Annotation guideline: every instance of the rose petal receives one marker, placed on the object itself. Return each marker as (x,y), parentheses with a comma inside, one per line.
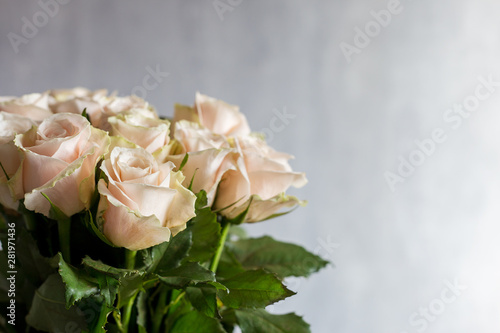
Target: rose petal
(268,184)
(260,210)
(33,106)
(220,117)
(206,169)
(196,138)
(150,200)
(182,208)
(233,187)
(149,133)
(70,190)
(126,228)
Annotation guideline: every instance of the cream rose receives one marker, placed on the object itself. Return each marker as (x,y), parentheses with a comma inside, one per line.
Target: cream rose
(60,158)
(216,115)
(78,99)
(115,105)
(209,156)
(194,137)
(137,126)
(262,177)
(99,106)
(11,189)
(33,106)
(143,202)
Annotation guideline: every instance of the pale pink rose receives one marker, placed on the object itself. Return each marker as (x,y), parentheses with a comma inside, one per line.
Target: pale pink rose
(209,156)
(118,104)
(60,158)
(99,106)
(33,106)
(137,127)
(6,98)
(216,115)
(76,100)
(11,189)
(143,201)
(115,105)
(61,95)
(262,177)
(194,137)
(260,210)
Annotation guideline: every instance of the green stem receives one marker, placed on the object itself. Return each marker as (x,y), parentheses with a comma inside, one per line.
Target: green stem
(64,229)
(178,296)
(103,316)
(130,259)
(215,262)
(171,309)
(129,264)
(127,312)
(158,316)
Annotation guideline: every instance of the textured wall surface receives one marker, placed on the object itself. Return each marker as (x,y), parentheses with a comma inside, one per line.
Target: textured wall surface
(420,87)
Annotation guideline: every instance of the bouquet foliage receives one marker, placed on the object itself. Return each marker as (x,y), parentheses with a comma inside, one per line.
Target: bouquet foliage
(114,219)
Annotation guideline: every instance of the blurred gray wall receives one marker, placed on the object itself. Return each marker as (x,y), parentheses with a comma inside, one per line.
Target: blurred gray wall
(359,102)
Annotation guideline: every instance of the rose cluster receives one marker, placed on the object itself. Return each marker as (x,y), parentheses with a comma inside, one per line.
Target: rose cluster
(73,149)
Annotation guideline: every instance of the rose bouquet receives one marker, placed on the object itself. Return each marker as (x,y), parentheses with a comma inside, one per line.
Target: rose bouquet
(113,219)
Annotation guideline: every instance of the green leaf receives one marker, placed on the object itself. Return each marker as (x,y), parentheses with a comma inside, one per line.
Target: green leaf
(114,281)
(48,311)
(237,232)
(203,297)
(201,200)
(206,235)
(175,312)
(151,257)
(129,285)
(228,321)
(228,264)
(177,250)
(284,259)
(253,289)
(184,161)
(108,288)
(85,115)
(260,321)
(186,273)
(78,283)
(190,187)
(217,285)
(100,267)
(196,322)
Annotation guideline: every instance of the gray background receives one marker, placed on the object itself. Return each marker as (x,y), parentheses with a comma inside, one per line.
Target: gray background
(392,250)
